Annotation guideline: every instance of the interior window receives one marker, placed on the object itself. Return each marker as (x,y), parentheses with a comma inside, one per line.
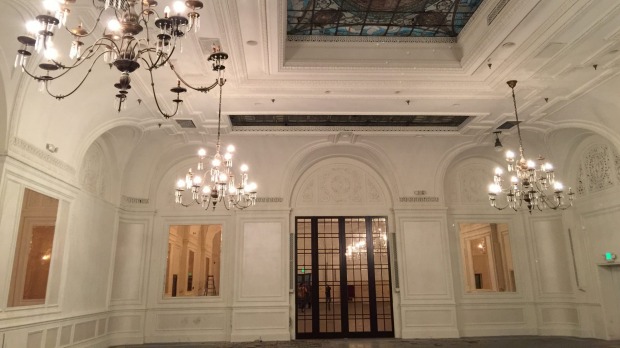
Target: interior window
(193,262)
(487,257)
(33,255)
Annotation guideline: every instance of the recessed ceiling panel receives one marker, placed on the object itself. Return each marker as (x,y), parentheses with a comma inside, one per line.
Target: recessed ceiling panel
(348,120)
(401,18)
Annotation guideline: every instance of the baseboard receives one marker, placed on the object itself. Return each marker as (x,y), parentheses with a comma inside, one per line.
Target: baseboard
(258,335)
(473,331)
(424,332)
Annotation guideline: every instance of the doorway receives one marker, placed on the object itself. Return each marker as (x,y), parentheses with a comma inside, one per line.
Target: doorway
(343,285)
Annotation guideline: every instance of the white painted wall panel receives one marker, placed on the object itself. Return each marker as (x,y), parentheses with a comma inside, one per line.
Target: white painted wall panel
(553,261)
(261,274)
(128,261)
(425,270)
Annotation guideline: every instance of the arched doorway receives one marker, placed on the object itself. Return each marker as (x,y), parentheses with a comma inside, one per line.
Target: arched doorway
(342,263)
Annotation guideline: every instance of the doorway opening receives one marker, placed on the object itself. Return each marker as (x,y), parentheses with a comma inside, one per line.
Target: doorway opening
(342,285)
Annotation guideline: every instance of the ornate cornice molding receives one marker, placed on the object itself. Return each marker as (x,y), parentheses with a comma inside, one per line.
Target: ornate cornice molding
(24,148)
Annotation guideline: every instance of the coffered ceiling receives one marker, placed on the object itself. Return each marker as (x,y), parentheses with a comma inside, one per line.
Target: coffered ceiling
(558,50)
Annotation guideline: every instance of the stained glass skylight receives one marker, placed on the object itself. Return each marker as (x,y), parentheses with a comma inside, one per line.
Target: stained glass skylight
(399,18)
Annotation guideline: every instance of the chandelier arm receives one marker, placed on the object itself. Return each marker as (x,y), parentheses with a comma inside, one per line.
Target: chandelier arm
(94,26)
(155,65)
(62,96)
(166,116)
(199,89)
(52,78)
(81,60)
(149,49)
(226,204)
(96,5)
(166,57)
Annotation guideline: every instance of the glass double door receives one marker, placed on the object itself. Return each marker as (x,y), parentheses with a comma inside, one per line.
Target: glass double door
(343,285)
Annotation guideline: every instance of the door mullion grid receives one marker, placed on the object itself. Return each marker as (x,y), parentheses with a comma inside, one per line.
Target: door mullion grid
(372,289)
(344,296)
(315,275)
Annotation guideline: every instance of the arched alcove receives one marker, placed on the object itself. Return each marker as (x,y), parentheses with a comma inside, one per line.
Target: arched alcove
(466,182)
(341,185)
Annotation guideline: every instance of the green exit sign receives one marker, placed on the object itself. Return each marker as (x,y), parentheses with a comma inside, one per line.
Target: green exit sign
(610,257)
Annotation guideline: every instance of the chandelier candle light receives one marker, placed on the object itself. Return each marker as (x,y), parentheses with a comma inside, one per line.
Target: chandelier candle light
(532,187)
(217,184)
(136,34)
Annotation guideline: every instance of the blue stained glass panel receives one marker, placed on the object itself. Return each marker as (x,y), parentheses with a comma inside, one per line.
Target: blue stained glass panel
(417,18)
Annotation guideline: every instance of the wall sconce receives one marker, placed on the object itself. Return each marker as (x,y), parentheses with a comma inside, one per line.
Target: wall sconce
(51,148)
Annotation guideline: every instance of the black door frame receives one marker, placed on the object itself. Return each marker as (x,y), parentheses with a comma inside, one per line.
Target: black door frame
(343,280)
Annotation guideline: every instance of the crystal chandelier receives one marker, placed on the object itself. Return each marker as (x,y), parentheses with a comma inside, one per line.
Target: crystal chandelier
(209,187)
(531,186)
(135,36)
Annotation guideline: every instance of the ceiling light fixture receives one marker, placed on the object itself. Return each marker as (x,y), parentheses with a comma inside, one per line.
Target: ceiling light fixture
(530,187)
(135,36)
(498,144)
(217,184)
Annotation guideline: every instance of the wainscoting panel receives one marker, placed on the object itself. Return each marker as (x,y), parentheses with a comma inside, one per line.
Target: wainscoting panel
(124,323)
(429,322)
(35,339)
(74,332)
(559,320)
(187,325)
(260,324)
(496,320)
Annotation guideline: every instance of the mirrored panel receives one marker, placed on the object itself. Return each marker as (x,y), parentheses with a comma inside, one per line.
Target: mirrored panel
(193,261)
(488,265)
(33,255)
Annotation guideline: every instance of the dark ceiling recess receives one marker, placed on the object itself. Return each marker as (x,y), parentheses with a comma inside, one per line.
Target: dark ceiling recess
(508,124)
(186,123)
(348,120)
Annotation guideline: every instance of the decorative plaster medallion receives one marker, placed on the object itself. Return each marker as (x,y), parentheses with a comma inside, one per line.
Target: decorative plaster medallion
(473,182)
(598,168)
(340,183)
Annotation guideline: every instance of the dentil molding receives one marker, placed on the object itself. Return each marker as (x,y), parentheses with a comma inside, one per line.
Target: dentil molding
(26,149)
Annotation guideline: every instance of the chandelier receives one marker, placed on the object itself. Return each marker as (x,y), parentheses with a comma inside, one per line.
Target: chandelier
(209,187)
(531,186)
(136,36)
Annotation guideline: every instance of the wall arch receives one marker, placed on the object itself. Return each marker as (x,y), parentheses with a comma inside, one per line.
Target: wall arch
(341,186)
(363,154)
